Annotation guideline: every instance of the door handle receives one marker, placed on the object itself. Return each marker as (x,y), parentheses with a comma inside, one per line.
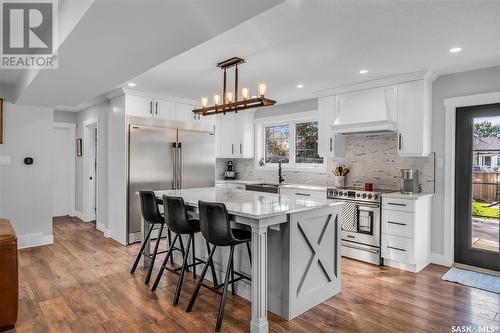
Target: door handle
(156,106)
(174,150)
(232,148)
(396,204)
(303,194)
(400,141)
(151,107)
(360,248)
(180,166)
(241,148)
(331,144)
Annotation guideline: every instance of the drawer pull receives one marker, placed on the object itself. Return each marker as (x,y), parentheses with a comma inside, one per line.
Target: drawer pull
(396,248)
(397,223)
(396,204)
(303,194)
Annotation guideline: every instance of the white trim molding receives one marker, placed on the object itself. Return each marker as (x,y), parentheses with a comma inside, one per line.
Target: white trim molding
(32,240)
(87,209)
(451,105)
(72,162)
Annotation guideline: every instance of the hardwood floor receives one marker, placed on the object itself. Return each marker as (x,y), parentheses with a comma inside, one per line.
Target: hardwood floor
(81,284)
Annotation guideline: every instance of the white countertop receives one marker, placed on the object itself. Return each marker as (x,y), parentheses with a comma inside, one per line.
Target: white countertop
(284,185)
(399,195)
(255,205)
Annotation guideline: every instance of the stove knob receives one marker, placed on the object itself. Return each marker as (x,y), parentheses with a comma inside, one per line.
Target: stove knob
(345,194)
(364,195)
(358,195)
(375,197)
(369,196)
(338,193)
(334,193)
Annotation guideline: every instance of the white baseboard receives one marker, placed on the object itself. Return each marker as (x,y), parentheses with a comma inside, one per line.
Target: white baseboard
(32,240)
(80,215)
(440,259)
(102,227)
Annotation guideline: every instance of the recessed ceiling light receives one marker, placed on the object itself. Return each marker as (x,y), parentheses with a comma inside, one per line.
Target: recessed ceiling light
(300,86)
(131,84)
(455,49)
(363,71)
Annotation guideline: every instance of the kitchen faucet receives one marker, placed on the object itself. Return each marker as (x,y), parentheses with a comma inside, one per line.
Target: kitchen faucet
(281,179)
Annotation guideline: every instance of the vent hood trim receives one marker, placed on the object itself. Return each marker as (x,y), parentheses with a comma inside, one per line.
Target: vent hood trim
(367,127)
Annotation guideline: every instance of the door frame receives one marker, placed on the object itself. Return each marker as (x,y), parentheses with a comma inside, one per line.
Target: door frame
(87,135)
(72,165)
(451,105)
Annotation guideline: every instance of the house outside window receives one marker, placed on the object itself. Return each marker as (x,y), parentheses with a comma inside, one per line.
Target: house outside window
(289,139)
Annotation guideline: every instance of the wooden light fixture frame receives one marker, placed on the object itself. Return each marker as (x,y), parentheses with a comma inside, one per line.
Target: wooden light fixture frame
(235,106)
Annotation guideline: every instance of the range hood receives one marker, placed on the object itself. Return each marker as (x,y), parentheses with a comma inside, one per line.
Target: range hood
(367,111)
(366,127)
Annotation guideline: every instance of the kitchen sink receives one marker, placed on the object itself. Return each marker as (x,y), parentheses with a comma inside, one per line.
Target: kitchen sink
(264,187)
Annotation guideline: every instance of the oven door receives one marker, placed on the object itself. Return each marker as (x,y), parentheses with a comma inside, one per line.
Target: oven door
(361,223)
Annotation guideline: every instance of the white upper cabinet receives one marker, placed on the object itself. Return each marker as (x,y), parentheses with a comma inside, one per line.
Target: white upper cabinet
(329,143)
(163,109)
(184,112)
(414,116)
(234,134)
(139,106)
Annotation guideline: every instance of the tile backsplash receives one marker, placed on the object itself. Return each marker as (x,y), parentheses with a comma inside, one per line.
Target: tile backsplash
(370,157)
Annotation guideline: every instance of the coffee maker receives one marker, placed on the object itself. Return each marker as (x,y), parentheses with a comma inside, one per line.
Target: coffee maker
(409,181)
(230,173)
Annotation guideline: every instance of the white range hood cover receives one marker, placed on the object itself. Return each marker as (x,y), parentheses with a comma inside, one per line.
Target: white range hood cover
(367,111)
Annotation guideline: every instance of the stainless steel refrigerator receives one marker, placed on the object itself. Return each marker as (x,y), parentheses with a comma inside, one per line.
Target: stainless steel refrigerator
(163,158)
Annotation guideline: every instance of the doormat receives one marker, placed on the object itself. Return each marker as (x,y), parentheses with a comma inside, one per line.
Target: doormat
(473,279)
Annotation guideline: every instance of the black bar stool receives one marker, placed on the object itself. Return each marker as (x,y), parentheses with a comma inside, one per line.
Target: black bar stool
(179,222)
(216,228)
(151,214)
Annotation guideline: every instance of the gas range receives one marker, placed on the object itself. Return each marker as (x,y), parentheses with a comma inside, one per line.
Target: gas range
(356,194)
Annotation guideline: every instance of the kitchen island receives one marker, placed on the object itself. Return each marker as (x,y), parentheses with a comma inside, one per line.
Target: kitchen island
(295,248)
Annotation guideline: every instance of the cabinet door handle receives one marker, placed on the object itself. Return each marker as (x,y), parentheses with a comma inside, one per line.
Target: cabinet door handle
(396,204)
(400,141)
(396,248)
(232,148)
(331,144)
(156,105)
(151,107)
(241,148)
(397,223)
(303,194)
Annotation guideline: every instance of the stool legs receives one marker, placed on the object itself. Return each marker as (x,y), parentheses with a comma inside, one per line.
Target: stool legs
(229,271)
(143,246)
(194,257)
(232,274)
(200,281)
(183,270)
(164,264)
(212,267)
(153,258)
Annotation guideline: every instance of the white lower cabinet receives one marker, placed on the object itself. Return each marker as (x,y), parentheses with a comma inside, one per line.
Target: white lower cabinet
(303,193)
(406,232)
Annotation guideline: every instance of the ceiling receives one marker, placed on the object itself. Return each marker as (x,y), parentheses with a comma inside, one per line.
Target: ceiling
(113,41)
(171,47)
(324,44)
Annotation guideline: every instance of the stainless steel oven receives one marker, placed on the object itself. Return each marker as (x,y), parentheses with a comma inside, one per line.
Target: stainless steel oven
(361,223)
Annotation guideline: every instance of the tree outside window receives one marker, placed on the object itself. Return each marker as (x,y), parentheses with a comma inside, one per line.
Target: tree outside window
(306,143)
(277,144)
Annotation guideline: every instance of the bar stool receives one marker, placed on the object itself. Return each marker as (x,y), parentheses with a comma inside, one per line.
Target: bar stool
(216,228)
(151,214)
(179,222)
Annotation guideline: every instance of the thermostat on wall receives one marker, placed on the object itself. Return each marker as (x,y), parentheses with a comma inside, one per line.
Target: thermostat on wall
(28,160)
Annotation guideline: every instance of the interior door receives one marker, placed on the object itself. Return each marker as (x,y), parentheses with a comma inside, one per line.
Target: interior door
(477,186)
(151,166)
(197,159)
(61,171)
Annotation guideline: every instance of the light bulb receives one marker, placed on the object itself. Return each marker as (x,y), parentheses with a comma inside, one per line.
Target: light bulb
(204,102)
(262,89)
(229,96)
(216,99)
(245,93)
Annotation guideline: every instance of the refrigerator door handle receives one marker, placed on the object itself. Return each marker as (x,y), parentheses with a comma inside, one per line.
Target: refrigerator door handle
(180,165)
(174,151)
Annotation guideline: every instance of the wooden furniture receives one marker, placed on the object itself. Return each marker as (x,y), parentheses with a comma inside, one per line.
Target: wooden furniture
(304,269)
(406,224)
(400,104)
(9,280)
(234,135)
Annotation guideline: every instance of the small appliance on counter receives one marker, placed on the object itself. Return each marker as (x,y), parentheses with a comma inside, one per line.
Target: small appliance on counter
(409,182)
(230,173)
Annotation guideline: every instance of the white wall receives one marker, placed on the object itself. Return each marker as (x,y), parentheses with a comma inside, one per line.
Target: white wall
(65,117)
(99,112)
(26,191)
(454,85)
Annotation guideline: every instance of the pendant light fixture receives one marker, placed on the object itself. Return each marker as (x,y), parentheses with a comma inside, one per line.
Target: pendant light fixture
(230,99)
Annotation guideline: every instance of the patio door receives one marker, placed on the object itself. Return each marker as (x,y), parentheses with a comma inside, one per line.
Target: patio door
(477,186)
